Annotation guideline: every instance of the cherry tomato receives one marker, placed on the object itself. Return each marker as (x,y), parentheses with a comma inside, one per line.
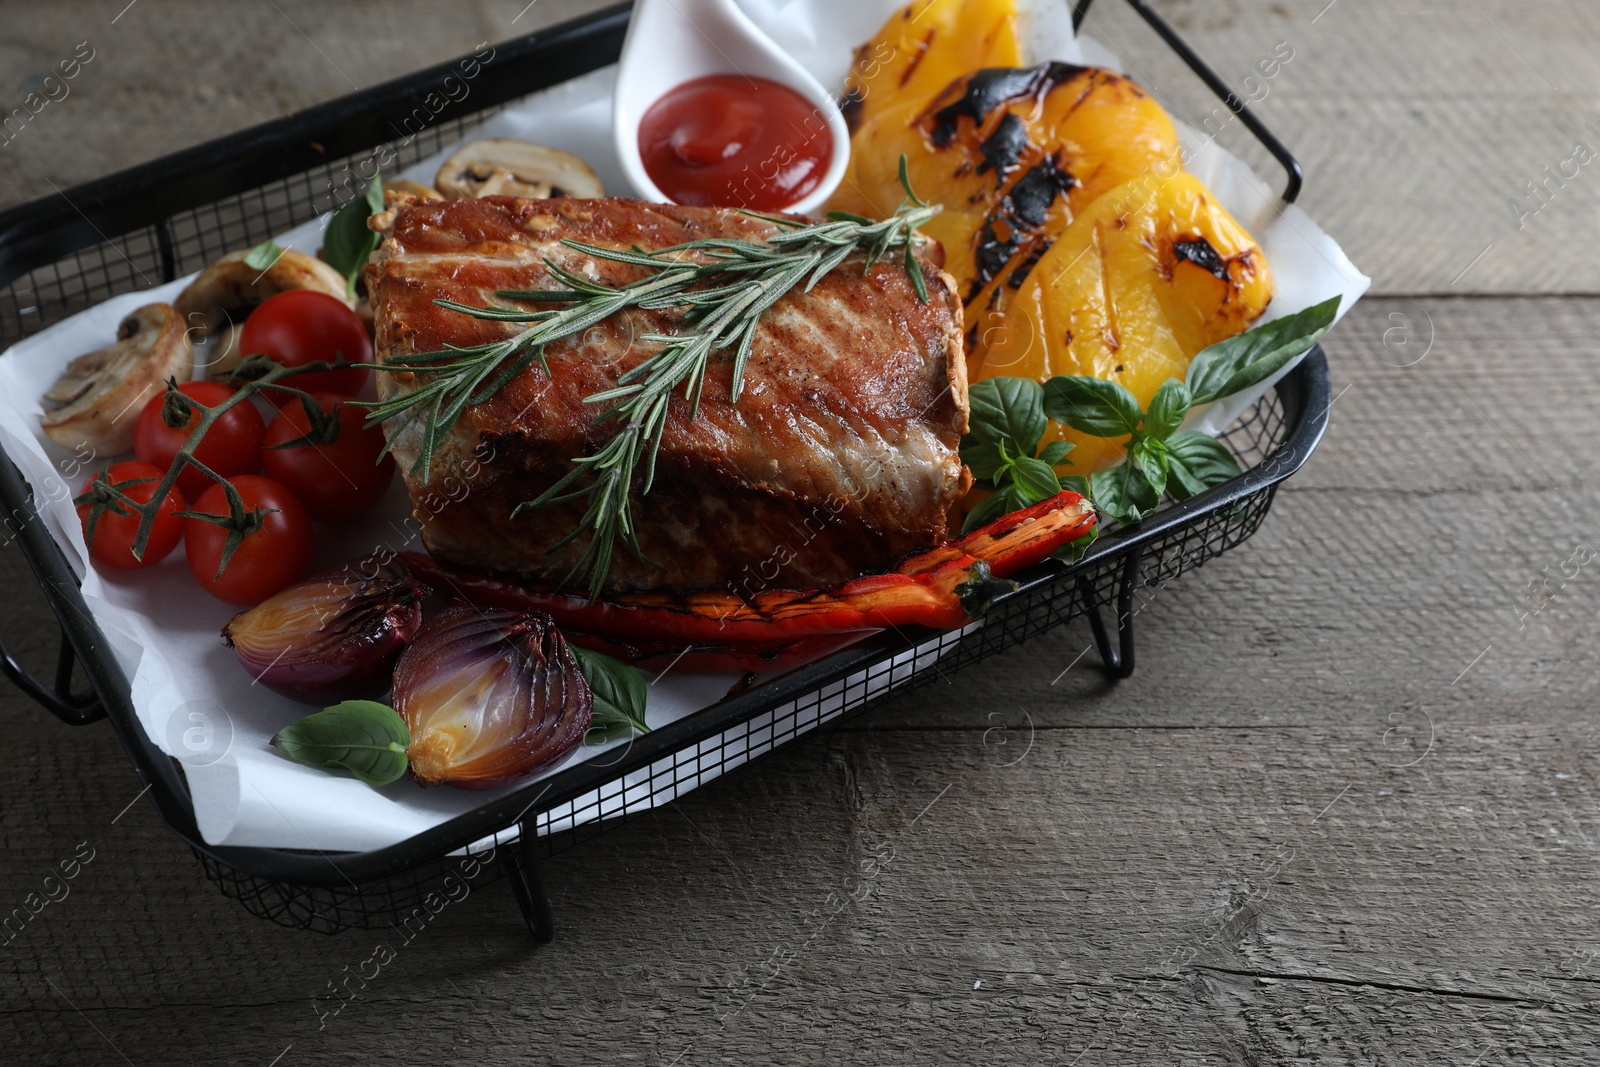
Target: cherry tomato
(118,525)
(335,481)
(232,445)
(303,326)
(269,558)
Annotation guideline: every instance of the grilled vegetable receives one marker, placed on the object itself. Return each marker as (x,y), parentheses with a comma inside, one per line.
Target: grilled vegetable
(416,189)
(1013,155)
(102,392)
(332,636)
(943,588)
(924,47)
(490,698)
(1147,277)
(503,166)
(478,727)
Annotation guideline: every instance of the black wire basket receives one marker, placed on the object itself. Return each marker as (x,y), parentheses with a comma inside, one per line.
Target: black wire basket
(164,219)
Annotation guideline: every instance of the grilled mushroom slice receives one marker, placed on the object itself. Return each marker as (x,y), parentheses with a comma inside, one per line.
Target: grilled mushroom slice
(226,292)
(504,166)
(104,391)
(416,189)
(222,352)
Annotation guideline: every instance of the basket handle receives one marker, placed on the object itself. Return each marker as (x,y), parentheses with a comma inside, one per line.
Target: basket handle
(74,709)
(1225,93)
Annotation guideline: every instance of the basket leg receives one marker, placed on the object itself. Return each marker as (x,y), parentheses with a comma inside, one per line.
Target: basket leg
(71,708)
(1117,658)
(522,868)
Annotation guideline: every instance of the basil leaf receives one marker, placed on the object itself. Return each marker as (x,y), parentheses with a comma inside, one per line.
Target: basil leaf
(607,725)
(1008,411)
(1167,409)
(1073,551)
(1055,452)
(1123,493)
(262,256)
(1034,481)
(1092,405)
(1255,355)
(1076,483)
(364,737)
(619,692)
(347,244)
(1002,501)
(1150,456)
(986,458)
(1196,462)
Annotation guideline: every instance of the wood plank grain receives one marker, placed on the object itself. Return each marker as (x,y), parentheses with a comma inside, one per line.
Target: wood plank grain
(164,78)
(1137,894)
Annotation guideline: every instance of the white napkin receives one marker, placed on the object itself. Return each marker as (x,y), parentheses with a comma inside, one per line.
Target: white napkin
(198,705)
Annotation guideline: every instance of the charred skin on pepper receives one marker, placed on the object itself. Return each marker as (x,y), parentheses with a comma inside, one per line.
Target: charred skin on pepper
(1014,154)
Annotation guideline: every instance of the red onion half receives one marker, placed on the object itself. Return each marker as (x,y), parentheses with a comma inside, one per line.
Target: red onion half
(333,636)
(490,697)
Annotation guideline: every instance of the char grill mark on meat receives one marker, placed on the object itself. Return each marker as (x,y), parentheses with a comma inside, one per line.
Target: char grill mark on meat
(839,458)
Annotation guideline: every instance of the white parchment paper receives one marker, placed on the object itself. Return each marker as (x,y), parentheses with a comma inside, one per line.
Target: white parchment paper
(198,705)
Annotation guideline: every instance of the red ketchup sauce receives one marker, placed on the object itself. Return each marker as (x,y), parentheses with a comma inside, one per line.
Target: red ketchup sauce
(734,141)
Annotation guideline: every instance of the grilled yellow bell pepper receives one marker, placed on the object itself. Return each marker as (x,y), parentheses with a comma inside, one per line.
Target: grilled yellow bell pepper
(1077,243)
(924,47)
(1013,155)
(1146,277)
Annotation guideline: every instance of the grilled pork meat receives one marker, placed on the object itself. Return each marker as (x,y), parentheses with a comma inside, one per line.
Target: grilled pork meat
(839,457)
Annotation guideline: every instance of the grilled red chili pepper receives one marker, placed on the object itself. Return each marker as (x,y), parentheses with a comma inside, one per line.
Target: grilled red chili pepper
(943,588)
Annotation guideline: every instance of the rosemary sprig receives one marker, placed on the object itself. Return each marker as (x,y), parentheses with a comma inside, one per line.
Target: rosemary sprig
(726,284)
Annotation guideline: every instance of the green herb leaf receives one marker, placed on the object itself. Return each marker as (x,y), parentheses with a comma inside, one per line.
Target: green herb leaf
(1073,551)
(1092,405)
(1243,360)
(348,244)
(364,737)
(1196,463)
(905,183)
(1008,411)
(1150,456)
(607,725)
(988,459)
(1167,409)
(262,256)
(619,693)
(1002,501)
(1123,493)
(1076,483)
(1034,481)
(1055,452)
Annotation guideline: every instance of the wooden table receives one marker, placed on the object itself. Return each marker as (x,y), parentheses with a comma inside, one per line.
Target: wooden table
(1345,812)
